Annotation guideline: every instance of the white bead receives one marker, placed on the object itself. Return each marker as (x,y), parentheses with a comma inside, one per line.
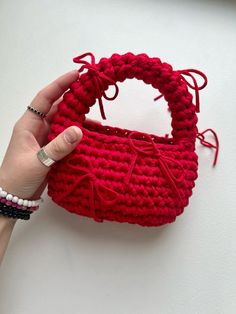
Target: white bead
(3,193)
(15,199)
(20,201)
(9,197)
(25,203)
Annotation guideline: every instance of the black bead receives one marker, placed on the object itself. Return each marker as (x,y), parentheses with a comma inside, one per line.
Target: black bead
(12,212)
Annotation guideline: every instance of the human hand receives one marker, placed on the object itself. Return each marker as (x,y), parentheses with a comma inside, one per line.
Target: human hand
(21,173)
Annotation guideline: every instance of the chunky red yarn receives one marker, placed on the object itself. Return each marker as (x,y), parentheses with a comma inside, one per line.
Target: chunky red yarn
(125,175)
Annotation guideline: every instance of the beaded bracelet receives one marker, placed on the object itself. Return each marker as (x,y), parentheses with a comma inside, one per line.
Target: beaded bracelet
(12,212)
(15,205)
(19,201)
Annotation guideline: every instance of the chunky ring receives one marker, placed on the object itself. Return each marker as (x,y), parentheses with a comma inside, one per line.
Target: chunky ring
(41,114)
(44,158)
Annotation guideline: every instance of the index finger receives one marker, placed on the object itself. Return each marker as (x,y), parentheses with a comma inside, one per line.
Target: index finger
(49,94)
(45,98)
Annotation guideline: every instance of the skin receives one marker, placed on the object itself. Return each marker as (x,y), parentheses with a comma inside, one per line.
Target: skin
(21,173)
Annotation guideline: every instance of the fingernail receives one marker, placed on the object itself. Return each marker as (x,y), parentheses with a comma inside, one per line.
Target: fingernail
(72,135)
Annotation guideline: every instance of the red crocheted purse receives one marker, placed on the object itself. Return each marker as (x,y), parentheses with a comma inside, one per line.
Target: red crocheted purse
(126,175)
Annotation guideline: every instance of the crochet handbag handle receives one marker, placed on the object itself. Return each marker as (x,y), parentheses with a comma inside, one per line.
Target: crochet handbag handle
(172,85)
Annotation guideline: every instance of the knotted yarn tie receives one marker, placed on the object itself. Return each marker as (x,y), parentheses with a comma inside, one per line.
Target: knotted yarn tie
(201,137)
(151,149)
(98,78)
(95,186)
(195,87)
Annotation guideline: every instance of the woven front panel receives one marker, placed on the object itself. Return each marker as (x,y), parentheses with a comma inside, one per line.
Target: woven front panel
(147,199)
(126,175)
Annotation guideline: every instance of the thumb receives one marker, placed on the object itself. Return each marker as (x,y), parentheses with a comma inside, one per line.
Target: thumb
(64,143)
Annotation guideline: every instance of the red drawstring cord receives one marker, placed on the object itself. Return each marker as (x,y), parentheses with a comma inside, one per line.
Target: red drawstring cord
(158,97)
(195,86)
(99,78)
(201,137)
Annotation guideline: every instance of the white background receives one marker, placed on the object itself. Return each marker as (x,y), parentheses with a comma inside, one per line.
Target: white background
(62,263)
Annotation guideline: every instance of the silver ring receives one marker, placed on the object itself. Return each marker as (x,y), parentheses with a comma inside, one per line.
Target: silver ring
(44,158)
(41,114)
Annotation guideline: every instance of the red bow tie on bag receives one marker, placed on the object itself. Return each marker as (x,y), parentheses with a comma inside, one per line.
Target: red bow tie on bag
(125,175)
(195,87)
(150,149)
(99,79)
(103,193)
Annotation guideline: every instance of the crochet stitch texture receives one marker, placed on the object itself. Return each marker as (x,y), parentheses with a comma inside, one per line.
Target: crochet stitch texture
(119,174)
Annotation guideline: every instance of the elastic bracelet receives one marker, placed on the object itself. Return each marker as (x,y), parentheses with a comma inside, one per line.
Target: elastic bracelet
(12,212)
(11,208)
(18,200)
(15,205)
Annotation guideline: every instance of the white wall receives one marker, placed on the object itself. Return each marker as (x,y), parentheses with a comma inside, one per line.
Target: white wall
(61,263)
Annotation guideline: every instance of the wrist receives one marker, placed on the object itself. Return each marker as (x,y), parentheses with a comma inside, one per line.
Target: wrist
(6,228)
(12,187)
(7,222)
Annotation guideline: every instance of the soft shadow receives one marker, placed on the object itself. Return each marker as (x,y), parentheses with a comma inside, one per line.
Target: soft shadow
(77,226)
